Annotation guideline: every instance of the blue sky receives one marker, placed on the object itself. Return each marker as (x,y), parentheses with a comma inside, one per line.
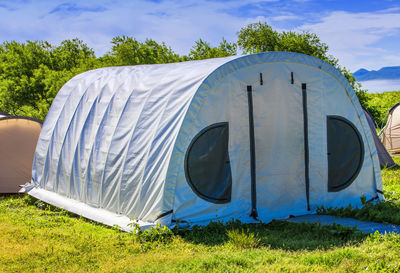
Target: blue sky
(359,33)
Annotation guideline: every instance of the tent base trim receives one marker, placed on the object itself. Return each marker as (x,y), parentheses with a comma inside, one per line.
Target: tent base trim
(90,212)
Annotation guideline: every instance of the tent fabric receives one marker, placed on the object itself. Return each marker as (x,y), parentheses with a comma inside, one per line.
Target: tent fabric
(385,160)
(116,139)
(18,138)
(391,131)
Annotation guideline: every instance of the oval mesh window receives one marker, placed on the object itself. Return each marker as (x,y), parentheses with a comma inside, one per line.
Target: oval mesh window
(207,165)
(345,153)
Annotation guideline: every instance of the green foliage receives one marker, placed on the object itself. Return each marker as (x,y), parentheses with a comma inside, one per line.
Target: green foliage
(203,50)
(260,37)
(32,73)
(128,51)
(378,104)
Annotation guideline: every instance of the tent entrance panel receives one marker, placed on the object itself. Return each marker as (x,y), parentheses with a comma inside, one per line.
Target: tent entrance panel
(279,145)
(345,153)
(207,165)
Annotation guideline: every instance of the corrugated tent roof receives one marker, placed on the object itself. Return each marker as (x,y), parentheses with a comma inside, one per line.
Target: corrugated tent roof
(105,129)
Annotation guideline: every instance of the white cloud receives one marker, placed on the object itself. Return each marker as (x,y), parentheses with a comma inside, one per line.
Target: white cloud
(285,17)
(177,23)
(355,38)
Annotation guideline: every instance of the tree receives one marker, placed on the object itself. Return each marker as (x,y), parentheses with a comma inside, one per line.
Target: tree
(203,50)
(71,54)
(260,37)
(31,73)
(129,51)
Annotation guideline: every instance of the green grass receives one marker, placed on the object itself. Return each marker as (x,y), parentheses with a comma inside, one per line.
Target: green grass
(36,237)
(40,238)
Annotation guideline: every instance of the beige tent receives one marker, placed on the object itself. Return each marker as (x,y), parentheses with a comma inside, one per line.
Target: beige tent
(390,134)
(18,138)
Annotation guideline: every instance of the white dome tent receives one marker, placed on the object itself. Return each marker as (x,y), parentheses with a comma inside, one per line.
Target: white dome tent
(260,136)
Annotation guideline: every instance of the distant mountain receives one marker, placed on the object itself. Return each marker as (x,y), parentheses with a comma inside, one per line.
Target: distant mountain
(385,73)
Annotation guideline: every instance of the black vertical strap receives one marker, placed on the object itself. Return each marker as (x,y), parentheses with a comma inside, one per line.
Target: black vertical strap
(254,213)
(261,80)
(306,155)
(292,78)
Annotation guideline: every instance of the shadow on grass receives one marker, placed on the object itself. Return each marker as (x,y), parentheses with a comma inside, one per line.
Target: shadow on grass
(276,234)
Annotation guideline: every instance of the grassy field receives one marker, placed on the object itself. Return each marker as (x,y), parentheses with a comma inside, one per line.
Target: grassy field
(35,237)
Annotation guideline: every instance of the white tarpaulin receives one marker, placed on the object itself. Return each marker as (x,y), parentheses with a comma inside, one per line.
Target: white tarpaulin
(172,142)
